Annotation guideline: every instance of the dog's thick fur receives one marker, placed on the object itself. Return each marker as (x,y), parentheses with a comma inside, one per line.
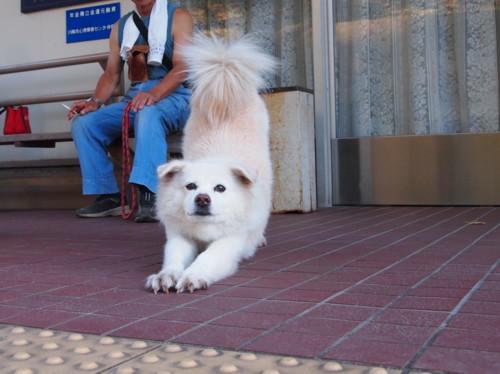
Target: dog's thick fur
(215,203)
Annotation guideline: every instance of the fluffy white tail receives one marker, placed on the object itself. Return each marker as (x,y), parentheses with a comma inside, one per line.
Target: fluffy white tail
(224,75)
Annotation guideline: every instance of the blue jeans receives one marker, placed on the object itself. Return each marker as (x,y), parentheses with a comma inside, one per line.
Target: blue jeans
(94,132)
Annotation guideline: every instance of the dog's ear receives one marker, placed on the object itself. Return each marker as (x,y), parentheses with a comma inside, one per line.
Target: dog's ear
(167,171)
(245,174)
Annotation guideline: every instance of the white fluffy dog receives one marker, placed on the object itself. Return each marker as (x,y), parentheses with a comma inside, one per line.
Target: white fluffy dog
(215,203)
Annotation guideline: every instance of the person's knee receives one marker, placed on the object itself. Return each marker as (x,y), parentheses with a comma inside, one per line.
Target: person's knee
(148,120)
(79,126)
(147,115)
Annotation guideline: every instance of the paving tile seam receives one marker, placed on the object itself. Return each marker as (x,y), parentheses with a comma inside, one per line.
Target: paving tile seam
(358,230)
(31,350)
(450,316)
(362,240)
(469,234)
(206,323)
(132,358)
(362,220)
(275,272)
(201,325)
(382,309)
(208,296)
(338,249)
(313,220)
(339,235)
(250,281)
(267,298)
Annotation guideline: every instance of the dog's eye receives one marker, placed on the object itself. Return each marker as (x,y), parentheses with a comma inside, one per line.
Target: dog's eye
(191,186)
(219,188)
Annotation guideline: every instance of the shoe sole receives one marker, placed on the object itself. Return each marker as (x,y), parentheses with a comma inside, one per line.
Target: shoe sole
(145,219)
(107,213)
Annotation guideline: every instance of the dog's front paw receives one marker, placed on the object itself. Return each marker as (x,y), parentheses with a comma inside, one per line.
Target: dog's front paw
(191,283)
(161,281)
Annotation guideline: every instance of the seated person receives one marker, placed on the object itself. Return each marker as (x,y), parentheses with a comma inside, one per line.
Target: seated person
(160,105)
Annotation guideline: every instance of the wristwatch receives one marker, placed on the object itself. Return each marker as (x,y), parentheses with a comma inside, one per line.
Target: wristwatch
(96,100)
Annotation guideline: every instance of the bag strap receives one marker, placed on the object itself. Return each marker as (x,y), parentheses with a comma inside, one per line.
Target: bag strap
(23,117)
(144,32)
(141,26)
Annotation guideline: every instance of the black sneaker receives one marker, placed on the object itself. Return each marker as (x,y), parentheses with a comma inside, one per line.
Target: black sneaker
(146,210)
(103,206)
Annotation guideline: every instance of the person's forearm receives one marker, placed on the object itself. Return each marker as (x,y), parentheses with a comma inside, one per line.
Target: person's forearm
(169,84)
(105,87)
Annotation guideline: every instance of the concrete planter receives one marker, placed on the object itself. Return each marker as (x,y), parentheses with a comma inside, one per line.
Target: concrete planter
(292,149)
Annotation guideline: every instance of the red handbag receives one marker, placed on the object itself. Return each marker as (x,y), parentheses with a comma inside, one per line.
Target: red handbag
(17,121)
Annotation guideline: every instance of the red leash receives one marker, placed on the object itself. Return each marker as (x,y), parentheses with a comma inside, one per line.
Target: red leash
(127,164)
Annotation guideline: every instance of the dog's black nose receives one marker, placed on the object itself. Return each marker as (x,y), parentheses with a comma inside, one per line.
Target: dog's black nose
(202,200)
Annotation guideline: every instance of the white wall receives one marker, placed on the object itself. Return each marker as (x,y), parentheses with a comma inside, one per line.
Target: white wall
(41,36)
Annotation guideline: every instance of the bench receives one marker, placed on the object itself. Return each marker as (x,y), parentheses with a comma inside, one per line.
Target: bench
(49,140)
(53,183)
(45,140)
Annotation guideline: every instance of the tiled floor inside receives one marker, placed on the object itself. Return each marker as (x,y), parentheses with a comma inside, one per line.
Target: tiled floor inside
(402,288)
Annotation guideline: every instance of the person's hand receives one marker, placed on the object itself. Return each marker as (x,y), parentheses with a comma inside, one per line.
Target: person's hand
(82,107)
(142,99)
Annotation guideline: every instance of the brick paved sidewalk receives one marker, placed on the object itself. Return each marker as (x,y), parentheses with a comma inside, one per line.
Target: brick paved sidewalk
(407,288)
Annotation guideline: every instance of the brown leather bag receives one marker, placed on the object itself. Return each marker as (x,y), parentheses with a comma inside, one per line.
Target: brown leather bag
(137,63)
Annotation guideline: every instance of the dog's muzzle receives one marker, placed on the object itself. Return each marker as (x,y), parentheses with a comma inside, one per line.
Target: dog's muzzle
(202,202)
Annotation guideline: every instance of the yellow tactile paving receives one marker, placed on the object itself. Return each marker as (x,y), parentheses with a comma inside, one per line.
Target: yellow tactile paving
(25,350)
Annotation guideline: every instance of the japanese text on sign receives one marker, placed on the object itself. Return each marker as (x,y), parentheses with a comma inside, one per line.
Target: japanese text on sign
(91,23)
